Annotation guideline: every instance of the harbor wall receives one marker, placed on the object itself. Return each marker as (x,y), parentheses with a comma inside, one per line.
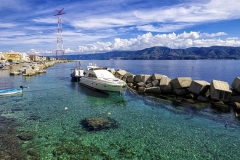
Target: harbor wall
(218,93)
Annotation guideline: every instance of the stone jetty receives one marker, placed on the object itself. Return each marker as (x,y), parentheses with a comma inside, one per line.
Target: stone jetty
(218,93)
(33,68)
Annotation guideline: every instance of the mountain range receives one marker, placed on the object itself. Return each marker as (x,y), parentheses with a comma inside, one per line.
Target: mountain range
(165,53)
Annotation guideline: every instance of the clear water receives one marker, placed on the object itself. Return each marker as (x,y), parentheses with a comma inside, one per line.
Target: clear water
(148,128)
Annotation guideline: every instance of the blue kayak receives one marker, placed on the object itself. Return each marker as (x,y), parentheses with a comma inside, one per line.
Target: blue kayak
(4,92)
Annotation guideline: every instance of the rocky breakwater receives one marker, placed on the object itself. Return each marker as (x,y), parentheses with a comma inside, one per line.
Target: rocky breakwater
(217,93)
(40,67)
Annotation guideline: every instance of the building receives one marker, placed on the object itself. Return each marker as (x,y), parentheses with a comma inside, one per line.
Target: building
(36,58)
(25,57)
(14,56)
(2,58)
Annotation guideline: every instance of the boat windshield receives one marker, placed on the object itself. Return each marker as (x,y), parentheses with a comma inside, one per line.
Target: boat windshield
(104,74)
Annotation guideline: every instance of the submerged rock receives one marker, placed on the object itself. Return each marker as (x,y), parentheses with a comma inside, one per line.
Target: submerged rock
(26,136)
(98,123)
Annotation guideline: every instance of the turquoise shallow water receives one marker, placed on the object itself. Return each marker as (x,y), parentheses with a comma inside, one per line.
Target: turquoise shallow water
(148,128)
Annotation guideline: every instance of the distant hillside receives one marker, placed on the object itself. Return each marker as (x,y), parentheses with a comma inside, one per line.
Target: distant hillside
(165,53)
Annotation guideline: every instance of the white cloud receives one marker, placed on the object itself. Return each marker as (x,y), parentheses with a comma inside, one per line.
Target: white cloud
(163,27)
(172,40)
(214,34)
(7,25)
(46,20)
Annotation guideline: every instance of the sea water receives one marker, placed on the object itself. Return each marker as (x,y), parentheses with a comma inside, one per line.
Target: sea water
(53,108)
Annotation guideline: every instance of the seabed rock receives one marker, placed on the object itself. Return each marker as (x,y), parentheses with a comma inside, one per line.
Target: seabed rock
(98,123)
(26,136)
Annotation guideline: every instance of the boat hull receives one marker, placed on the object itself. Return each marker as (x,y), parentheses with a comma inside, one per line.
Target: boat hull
(4,92)
(102,85)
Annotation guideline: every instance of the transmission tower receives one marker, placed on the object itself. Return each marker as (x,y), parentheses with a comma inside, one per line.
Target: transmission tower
(59,49)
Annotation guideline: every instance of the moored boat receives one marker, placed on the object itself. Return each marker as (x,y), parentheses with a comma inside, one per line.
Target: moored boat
(77,73)
(4,92)
(101,79)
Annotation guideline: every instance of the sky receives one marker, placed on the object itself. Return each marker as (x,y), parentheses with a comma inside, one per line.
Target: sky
(95,26)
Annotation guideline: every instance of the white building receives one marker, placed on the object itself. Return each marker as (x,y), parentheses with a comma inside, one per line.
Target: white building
(24,57)
(2,58)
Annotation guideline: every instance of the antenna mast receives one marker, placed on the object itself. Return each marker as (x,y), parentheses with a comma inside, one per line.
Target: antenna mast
(59,49)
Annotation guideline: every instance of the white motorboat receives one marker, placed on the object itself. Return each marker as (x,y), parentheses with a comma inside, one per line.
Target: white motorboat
(101,79)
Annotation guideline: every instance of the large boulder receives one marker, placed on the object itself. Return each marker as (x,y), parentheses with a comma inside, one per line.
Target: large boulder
(148,85)
(120,73)
(219,90)
(199,87)
(141,89)
(202,98)
(157,76)
(130,78)
(153,90)
(141,78)
(141,84)
(181,91)
(221,106)
(155,82)
(234,98)
(165,85)
(236,84)
(235,106)
(181,82)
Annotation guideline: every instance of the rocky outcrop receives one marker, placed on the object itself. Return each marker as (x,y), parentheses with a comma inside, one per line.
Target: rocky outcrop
(219,90)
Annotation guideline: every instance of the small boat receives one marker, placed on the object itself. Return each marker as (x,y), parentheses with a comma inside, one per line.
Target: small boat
(101,79)
(77,73)
(4,92)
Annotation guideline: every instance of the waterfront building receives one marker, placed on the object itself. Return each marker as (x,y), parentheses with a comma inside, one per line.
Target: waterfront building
(2,58)
(14,56)
(24,57)
(37,58)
